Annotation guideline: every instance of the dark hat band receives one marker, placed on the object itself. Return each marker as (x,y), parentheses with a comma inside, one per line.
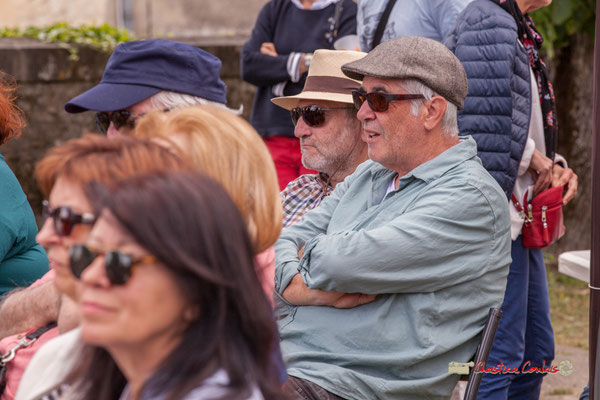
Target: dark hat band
(330,84)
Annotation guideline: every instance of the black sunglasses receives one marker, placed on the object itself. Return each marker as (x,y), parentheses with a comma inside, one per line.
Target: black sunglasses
(118,265)
(379,102)
(312,115)
(65,218)
(120,118)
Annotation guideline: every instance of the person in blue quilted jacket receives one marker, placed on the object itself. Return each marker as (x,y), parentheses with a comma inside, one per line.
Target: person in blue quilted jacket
(510,112)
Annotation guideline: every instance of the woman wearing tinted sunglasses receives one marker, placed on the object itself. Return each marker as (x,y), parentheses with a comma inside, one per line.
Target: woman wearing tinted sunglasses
(62,174)
(69,218)
(171,306)
(226,148)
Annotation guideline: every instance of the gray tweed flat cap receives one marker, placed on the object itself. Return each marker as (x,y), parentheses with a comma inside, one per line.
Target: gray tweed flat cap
(413,57)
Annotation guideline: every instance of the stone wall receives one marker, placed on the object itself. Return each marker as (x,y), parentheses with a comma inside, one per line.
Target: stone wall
(47,78)
(146,18)
(25,13)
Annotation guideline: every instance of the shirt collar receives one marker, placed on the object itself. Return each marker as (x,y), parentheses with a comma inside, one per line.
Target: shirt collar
(438,166)
(317,5)
(323,180)
(319,180)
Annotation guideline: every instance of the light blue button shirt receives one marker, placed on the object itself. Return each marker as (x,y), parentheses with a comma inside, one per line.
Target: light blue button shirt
(432,19)
(436,251)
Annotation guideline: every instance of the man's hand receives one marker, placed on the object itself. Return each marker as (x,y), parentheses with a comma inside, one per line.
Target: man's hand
(29,308)
(540,169)
(302,67)
(268,48)
(297,293)
(565,176)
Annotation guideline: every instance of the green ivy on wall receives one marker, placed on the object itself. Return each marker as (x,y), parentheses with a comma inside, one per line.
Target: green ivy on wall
(562,19)
(104,37)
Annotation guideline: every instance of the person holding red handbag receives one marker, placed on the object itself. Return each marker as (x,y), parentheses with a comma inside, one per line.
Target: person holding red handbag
(510,111)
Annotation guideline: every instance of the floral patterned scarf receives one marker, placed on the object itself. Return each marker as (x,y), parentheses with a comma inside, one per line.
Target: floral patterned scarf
(531,39)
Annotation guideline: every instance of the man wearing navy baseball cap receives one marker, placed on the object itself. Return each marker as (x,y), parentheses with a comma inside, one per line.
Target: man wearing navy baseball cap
(146,75)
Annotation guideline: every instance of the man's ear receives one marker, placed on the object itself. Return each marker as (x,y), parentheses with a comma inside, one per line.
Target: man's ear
(434,112)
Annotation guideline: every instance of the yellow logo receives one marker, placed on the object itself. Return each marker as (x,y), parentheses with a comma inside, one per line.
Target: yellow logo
(565,368)
(455,367)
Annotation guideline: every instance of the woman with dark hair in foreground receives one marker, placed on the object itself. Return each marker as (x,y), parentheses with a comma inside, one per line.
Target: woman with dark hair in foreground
(171,305)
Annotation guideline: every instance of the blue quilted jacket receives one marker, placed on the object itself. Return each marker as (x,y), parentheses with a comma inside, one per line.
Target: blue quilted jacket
(498,106)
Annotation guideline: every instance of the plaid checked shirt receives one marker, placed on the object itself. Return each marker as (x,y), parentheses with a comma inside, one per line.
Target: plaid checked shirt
(303,194)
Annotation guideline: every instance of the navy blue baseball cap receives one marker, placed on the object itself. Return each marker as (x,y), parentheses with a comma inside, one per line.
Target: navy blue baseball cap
(139,69)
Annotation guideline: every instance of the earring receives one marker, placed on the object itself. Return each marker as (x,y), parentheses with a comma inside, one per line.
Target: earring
(190,314)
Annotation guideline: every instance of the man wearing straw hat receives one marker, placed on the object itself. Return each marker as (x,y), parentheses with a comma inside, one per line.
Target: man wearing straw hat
(422,230)
(330,134)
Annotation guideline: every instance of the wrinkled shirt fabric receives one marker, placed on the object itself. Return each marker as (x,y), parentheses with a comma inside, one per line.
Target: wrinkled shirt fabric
(436,251)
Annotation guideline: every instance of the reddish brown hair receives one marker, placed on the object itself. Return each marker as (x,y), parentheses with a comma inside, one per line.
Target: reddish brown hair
(97,158)
(11,116)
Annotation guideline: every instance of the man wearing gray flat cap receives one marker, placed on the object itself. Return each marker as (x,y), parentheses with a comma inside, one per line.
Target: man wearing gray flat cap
(421,231)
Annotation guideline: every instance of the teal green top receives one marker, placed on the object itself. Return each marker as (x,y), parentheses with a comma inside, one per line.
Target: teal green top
(22,260)
(436,251)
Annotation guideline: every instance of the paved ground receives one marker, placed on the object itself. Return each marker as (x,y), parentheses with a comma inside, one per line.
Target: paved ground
(559,387)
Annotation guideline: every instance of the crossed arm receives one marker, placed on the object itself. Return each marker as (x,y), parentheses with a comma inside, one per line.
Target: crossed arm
(29,308)
(261,64)
(429,247)
(296,292)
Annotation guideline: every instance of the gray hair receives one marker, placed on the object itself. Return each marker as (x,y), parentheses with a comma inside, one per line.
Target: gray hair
(449,120)
(168,100)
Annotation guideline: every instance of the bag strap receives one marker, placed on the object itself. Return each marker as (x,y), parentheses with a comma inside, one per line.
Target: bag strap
(40,331)
(26,341)
(382,23)
(339,6)
(518,205)
(527,215)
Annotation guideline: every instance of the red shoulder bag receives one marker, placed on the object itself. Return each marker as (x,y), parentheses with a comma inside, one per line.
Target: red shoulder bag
(543,218)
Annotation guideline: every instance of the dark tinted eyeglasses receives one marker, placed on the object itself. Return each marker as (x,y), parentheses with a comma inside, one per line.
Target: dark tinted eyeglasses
(379,102)
(312,115)
(118,266)
(120,118)
(65,218)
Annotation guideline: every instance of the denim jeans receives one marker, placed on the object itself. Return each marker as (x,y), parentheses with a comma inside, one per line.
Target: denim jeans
(524,338)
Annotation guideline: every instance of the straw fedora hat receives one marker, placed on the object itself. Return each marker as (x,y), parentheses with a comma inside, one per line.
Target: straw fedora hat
(325,80)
